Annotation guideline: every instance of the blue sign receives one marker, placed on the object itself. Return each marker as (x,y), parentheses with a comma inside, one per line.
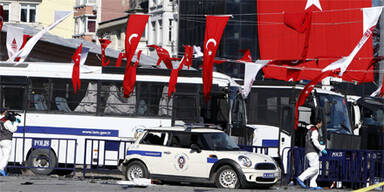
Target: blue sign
(335,155)
(41,143)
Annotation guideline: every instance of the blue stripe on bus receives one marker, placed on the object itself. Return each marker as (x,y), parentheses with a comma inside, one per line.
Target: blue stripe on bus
(144,153)
(68,131)
(270,143)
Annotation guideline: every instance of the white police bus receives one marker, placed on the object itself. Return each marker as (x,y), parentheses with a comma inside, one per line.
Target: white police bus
(61,129)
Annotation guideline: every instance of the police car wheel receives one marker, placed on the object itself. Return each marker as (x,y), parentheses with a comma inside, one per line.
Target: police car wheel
(135,169)
(226,177)
(42,161)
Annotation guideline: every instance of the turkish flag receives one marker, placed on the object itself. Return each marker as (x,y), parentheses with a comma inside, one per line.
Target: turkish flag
(1,17)
(76,69)
(246,57)
(213,31)
(300,22)
(337,26)
(188,53)
(121,56)
(187,61)
(135,28)
(130,78)
(104,44)
(163,56)
(308,89)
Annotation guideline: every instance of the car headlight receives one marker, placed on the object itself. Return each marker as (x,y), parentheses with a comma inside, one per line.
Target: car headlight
(245,161)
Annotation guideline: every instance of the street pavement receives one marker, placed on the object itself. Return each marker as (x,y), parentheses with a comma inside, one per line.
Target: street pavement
(54,183)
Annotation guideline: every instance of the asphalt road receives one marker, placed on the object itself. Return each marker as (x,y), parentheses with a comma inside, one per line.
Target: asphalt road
(54,183)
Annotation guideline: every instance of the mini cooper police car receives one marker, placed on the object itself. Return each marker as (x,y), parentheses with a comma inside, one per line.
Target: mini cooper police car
(200,155)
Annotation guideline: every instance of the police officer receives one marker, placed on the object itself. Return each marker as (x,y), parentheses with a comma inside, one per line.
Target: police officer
(7,127)
(312,149)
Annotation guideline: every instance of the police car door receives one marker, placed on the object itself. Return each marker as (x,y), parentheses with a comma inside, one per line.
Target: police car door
(152,151)
(183,161)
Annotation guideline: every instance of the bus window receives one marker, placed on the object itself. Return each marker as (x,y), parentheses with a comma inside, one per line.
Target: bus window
(165,104)
(12,92)
(39,94)
(65,100)
(264,105)
(88,103)
(115,102)
(12,97)
(148,98)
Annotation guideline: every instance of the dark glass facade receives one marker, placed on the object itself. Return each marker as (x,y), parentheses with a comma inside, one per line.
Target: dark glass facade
(240,32)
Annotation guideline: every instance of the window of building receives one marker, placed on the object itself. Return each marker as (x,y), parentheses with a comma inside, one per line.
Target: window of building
(154,35)
(6,12)
(160,31)
(170,30)
(77,27)
(92,26)
(28,13)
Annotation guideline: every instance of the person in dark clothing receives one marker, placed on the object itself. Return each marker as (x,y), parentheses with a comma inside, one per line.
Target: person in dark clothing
(312,150)
(7,128)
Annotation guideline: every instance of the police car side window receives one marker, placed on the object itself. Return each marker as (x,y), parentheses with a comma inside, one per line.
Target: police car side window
(181,140)
(154,138)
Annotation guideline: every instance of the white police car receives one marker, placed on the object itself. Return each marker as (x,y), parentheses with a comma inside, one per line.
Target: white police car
(198,155)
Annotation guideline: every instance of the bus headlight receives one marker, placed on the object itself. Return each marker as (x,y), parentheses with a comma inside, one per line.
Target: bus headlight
(245,161)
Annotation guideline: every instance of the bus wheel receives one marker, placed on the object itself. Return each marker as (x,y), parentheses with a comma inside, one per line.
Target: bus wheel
(135,169)
(42,161)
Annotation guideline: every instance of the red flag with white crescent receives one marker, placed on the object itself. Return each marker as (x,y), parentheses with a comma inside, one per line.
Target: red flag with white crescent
(331,21)
(135,28)
(188,53)
(76,69)
(130,79)
(163,56)
(186,61)
(104,44)
(213,31)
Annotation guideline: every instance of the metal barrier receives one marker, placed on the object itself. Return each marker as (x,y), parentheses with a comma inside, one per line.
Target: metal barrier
(354,168)
(102,154)
(43,155)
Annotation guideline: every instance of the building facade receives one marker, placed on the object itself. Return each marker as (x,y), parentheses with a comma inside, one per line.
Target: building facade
(239,32)
(39,14)
(162,25)
(87,15)
(114,29)
(46,16)
(112,9)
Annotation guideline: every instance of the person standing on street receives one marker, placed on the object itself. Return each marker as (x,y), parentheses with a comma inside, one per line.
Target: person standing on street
(312,150)
(8,125)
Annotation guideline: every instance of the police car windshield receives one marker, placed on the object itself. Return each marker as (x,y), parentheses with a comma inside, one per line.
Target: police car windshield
(220,142)
(336,112)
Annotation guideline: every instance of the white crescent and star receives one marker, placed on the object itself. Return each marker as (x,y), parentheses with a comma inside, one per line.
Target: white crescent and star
(132,36)
(211,40)
(313,2)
